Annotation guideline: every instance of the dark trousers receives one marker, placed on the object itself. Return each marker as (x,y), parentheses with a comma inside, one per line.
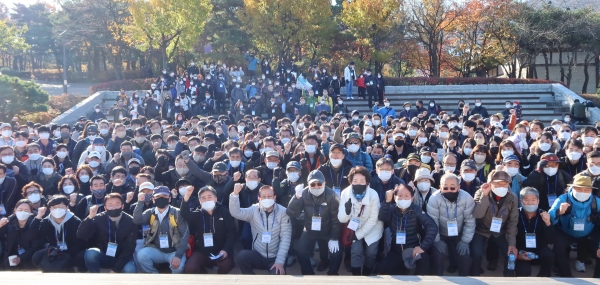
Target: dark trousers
(380,95)
(393,264)
(478,246)
(545,260)
(306,246)
(76,261)
(198,262)
(245,235)
(562,248)
(248,260)
(220,98)
(463,261)
(362,91)
(372,95)
(297,228)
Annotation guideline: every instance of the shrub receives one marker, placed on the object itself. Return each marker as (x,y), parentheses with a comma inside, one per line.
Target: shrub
(64,102)
(404,81)
(15,73)
(135,84)
(56,75)
(20,97)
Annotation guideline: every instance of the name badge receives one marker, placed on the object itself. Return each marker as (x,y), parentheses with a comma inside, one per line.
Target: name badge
(530,241)
(62,246)
(164,241)
(208,240)
(221,85)
(496,225)
(288,80)
(273,111)
(311,105)
(401,237)
(266,237)
(145,229)
(2,209)
(267,72)
(578,224)
(551,199)
(316,224)
(452,228)
(317,92)
(353,224)
(156,107)
(253,113)
(111,249)
(337,191)
(21,251)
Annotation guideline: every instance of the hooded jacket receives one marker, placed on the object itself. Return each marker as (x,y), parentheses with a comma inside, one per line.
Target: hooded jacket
(325,206)
(220,224)
(370,227)
(461,210)
(577,210)
(420,229)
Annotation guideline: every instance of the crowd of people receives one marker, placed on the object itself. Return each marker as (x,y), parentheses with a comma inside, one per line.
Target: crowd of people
(176,183)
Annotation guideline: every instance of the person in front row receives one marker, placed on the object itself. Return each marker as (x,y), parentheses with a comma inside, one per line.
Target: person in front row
(167,238)
(496,213)
(320,205)
(271,230)
(452,210)
(407,223)
(213,229)
(535,233)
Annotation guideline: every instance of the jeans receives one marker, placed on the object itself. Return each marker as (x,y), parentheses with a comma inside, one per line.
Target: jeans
(248,260)
(462,261)
(359,251)
(246,235)
(306,246)
(546,262)
(95,259)
(478,246)
(198,262)
(148,256)
(349,89)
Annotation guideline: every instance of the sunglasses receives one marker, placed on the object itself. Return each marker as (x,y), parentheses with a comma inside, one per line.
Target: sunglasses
(354,142)
(316,184)
(449,188)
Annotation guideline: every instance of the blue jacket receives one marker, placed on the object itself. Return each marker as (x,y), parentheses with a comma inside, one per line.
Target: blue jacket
(251,90)
(360,159)
(252,61)
(516,185)
(384,112)
(579,210)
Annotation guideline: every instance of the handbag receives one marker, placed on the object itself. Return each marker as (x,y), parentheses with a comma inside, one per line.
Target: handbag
(347,233)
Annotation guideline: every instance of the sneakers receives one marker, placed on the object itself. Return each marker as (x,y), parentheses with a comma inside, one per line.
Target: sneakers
(323,265)
(579,266)
(290,260)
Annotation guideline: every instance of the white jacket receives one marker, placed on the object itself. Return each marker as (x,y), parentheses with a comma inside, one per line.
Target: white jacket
(348,74)
(104,156)
(370,227)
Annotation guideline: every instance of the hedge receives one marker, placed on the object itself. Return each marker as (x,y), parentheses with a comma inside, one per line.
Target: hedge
(135,84)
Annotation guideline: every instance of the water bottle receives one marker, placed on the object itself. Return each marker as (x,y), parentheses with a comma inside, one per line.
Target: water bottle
(529,255)
(511,261)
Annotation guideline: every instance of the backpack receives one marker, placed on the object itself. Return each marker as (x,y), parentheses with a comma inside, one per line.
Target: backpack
(172,221)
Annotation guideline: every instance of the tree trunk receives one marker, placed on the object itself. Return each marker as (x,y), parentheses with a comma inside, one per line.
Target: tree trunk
(562,68)
(546,65)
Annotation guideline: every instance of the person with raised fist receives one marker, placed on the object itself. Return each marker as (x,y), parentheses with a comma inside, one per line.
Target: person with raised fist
(16,232)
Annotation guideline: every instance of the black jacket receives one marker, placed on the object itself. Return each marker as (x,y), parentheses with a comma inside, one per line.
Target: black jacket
(247,197)
(9,194)
(221,224)
(325,206)
(420,228)
(46,230)
(543,234)
(97,229)
(545,185)
(336,178)
(20,238)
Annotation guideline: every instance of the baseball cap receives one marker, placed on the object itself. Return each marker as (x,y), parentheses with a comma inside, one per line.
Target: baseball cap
(5,125)
(147,185)
(511,157)
(550,157)
(219,167)
(294,164)
(161,190)
(499,175)
(134,160)
(413,156)
(98,140)
(272,153)
(94,154)
(316,176)
(337,145)
(468,164)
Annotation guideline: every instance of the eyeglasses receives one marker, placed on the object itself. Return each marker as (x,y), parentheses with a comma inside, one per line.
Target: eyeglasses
(33,192)
(316,184)
(449,188)
(354,142)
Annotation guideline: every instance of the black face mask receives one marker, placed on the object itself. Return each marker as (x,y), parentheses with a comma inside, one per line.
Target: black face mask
(306,125)
(494,150)
(412,169)
(114,213)
(359,189)
(429,129)
(399,143)
(461,105)
(451,196)
(161,202)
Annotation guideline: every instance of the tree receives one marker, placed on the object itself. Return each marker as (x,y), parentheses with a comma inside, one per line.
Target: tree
(378,24)
(38,36)
(19,97)
(167,25)
(283,28)
(12,43)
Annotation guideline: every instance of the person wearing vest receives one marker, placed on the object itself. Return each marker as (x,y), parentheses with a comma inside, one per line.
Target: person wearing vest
(535,232)
(452,210)
(114,232)
(548,179)
(497,214)
(98,189)
(213,231)
(272,237)
(575,217)
(168,234)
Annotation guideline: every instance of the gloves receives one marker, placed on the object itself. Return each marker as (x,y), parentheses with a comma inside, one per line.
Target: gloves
(162,161)
(299,189)
(462,248)
(348,206)
(441,246)
(334,246)
(185,155)
(277,172)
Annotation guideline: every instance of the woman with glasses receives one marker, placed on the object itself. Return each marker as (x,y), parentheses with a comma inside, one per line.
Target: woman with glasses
(452,210)
(33,192)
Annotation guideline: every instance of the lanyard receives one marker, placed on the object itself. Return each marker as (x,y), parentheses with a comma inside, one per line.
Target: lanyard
(263,222)
(403,224)
(493,214)
(204,222)
(333,180)
(525,227)
(109,231)
(63,235)
(455,211)
(555,182)
(319,212)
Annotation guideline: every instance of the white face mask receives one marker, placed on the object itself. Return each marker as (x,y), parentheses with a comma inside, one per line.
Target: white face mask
(423,186)
(336,162)
(595,170)
(386,104)
(544,146)
(425,159)
(8,133)
(479,158)
(507,152)
(550,171)
(310,148)
(317,191)
(468,176)
(412,133)
(478,104)
(235,163)
(500,191)
(512,171)
(465,132)
(353,148)
(272,165)
(94,164)
(580,196)
(251,184)
(422,140)
(182,191)
(47,170)
(293,176)
(68,189)
(208,205)
(467,151)
(84,178)
(248,153)
(62,154)
(384,175)
(403,204)
(368,137)
(34,156)
(449,169)
(267,203)
(444,135)
(574,155)
(58,213)
(22,215)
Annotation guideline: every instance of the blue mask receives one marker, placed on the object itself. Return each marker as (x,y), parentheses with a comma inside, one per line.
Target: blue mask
(99,193)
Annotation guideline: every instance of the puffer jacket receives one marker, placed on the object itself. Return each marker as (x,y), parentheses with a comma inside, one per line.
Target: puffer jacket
(327,204)
(439,208)
(279,227)
(420,229)
(507,209)
(580,210)
(370,227)
(547,184)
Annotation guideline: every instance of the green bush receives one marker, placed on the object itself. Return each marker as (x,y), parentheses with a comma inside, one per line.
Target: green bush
(20,97)
(16,73)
